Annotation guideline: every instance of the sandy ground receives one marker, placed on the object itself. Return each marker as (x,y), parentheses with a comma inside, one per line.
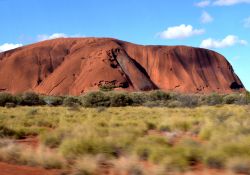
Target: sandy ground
(9,169)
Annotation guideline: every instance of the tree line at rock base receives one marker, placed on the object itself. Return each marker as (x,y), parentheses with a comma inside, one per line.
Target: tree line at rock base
(118,99)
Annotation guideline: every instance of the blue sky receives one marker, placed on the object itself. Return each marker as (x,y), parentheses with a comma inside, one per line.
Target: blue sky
(220,25)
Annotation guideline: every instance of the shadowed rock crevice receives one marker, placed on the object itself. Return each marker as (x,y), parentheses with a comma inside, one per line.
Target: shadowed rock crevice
(236,86)
(134,72)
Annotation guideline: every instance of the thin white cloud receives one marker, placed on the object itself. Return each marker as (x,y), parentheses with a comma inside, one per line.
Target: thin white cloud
(43,37)
(9,46)
(228,41)
(206,17)
(247,22)
(179,32)
(203,3)
(229,2)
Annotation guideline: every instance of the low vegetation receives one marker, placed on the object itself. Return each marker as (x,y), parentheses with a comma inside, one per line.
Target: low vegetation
(84,140)
(109,98)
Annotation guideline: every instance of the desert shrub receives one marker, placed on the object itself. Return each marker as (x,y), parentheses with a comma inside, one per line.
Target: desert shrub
(188,100)
(72,148)
(152,104)
(5,142)
(27,156)
(152,148)
(239,165)
(10,153)
(164,128)
(120,99)
(182,125)
(86,165)
(174,104)
(95,99)
(7,132)
(231,98)
(101,109)
(158,95)
(52,140)
(215,160)
(31,99)
(6,98)
(135,170)
(175,164)
(10,105)
(106,87)
(235,149)
(71,101)
(45,158)
(53,100)
(205,133)
(128,165)
(138,98)
(190,150)
(150,125)
(214,99)
(32,111)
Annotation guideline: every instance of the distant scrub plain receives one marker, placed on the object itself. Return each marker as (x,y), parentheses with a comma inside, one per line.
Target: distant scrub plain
(81,140)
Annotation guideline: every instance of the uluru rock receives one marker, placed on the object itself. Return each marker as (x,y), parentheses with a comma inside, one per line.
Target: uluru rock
(72,66)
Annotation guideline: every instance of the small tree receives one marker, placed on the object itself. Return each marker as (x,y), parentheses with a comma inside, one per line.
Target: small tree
(5,98)
(120,99)
(31,99)
(71,101)
(95,99)
(214,99)
(106,87)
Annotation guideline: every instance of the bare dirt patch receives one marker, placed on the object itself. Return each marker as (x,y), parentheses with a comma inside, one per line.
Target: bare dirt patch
(10,169)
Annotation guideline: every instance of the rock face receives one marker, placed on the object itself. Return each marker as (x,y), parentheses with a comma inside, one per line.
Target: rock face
(76,65)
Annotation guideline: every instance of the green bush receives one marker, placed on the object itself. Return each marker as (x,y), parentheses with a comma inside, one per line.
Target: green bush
(6,98)
(215,160)
(190,150)
(7,132)
(86,165)
(71,148)
(158,95)
(115,99)
(174,104)
(138,98)
(214,99)
(71,101)
(51,140)
(95,99)
(175,164)
(31,99)
(231,98)
(236,149)
(10,105)
(106,87)
(188,100)
(152,148)
(120,99)
(205,133)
